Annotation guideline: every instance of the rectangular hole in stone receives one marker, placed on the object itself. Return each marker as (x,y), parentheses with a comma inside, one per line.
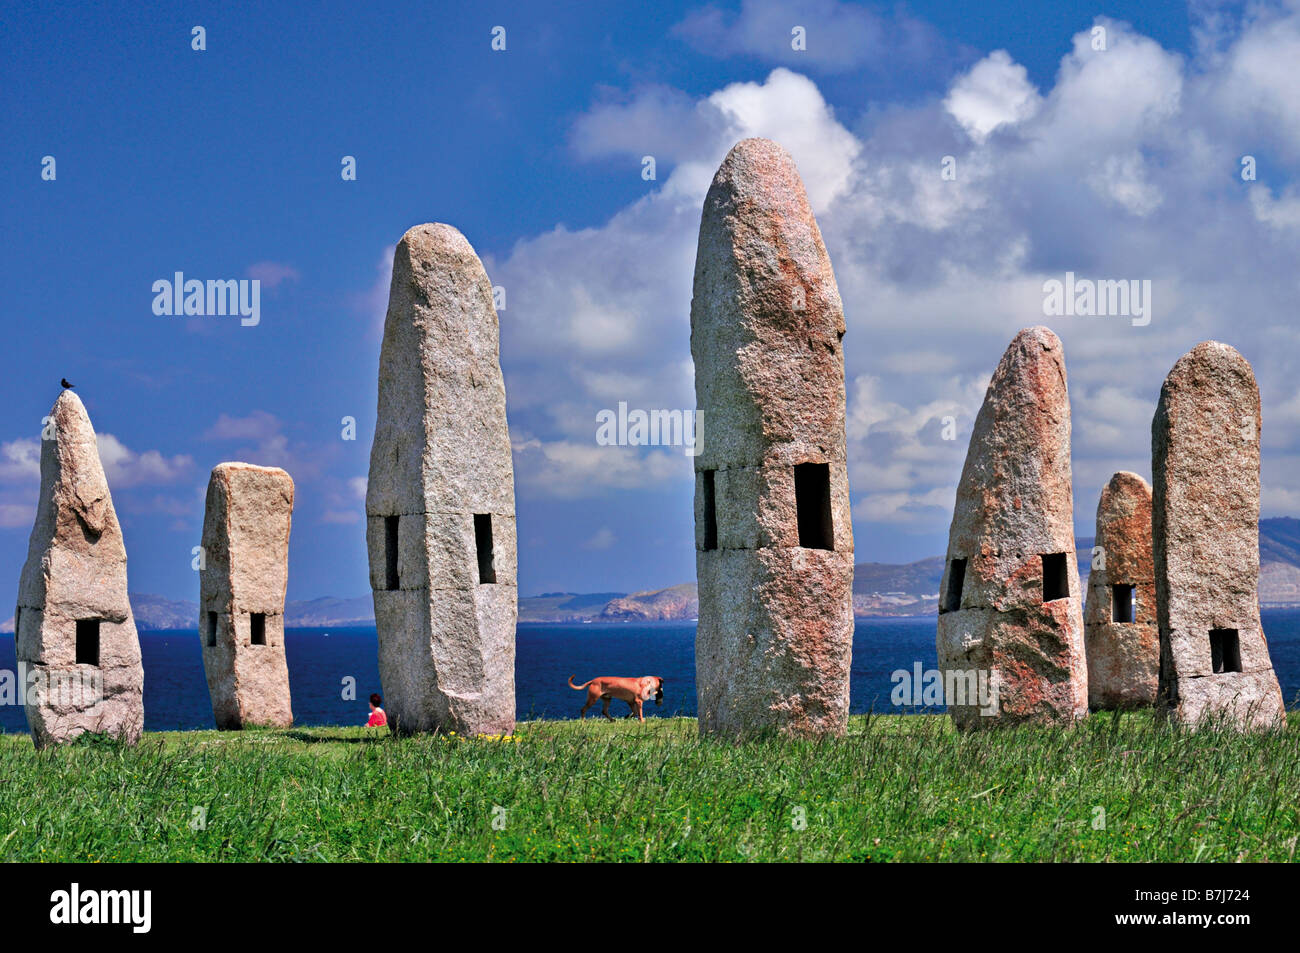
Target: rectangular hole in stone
(1225,651)
(487,571)
(212,629)
(256,628)
(1123,599)
(390,553)
(956,580)
(1056,579)
(87,641)
(812,499)
(710,510)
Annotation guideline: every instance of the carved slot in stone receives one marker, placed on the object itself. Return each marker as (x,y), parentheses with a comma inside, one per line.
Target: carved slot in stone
(1225,651)
(1122,600)
(812,497)
(256,628)
(88,641)
(391,581)
(956,580)
(1056,577)
(487,572)
(212,629)
(710,510)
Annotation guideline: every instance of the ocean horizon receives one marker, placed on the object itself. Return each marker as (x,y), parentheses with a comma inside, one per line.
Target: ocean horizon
(326,666)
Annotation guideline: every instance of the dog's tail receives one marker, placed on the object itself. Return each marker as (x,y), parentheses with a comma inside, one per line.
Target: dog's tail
(582,686)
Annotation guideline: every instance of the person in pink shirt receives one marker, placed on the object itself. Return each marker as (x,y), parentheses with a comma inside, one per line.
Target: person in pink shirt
(377,717)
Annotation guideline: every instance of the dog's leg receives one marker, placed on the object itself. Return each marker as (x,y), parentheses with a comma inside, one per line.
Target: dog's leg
(639,714)
(605,708)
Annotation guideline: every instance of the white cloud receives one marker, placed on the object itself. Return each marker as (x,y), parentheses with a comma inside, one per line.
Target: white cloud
(1123,180)
(20,460)
(1282,212)
(125,467)
(995,92)
(563,469)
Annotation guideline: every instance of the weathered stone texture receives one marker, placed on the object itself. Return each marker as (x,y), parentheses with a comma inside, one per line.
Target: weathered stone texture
(1123,652)
(1205,537)
(246,570)
(76,572)
(441,457)
(1016,615)
(775,624)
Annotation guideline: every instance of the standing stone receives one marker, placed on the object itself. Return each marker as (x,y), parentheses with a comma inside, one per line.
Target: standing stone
(1214,660)
(241,594)
(440,508)
(773,536)
(1010,608)
(74,635)
(1123,642)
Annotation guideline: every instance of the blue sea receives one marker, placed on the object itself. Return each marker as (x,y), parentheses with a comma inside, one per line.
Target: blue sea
(322,663)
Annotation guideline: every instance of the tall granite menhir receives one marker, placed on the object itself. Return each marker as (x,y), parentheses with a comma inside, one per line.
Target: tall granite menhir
(1119,618)
(440,508)
(241,594)
(74,634)
(1009,603)
(773,537)
(1214,661)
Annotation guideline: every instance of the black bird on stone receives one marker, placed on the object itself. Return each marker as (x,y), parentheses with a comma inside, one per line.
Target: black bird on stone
(66,385)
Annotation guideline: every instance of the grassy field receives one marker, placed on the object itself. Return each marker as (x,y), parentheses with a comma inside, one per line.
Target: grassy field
(897,788)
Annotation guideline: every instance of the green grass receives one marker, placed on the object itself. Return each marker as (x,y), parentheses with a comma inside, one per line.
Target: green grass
(897,788)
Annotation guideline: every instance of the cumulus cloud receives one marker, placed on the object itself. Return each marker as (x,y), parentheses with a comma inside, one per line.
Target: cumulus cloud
(125,467)
(569,470)
(1280,212)
(995,92)
(20,460)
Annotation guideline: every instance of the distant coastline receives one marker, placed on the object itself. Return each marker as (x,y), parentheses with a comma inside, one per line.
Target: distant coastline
(880,591)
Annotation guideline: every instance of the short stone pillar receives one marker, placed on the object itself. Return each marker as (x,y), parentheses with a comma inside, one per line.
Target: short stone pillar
(1010,628)
(773,533)
(440,506)
(241,594)
(1214,661)
(74,634)
(1119,619)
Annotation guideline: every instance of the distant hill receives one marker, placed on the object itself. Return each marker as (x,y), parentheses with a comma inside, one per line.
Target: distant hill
(879,589)
(156,612)
(1279,540)
(660,605)
(329,611)
(564,606)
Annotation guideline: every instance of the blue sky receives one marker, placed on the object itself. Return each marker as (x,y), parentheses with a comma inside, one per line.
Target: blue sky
(225,164)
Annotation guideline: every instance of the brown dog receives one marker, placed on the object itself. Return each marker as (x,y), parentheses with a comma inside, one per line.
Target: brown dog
(634,691)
